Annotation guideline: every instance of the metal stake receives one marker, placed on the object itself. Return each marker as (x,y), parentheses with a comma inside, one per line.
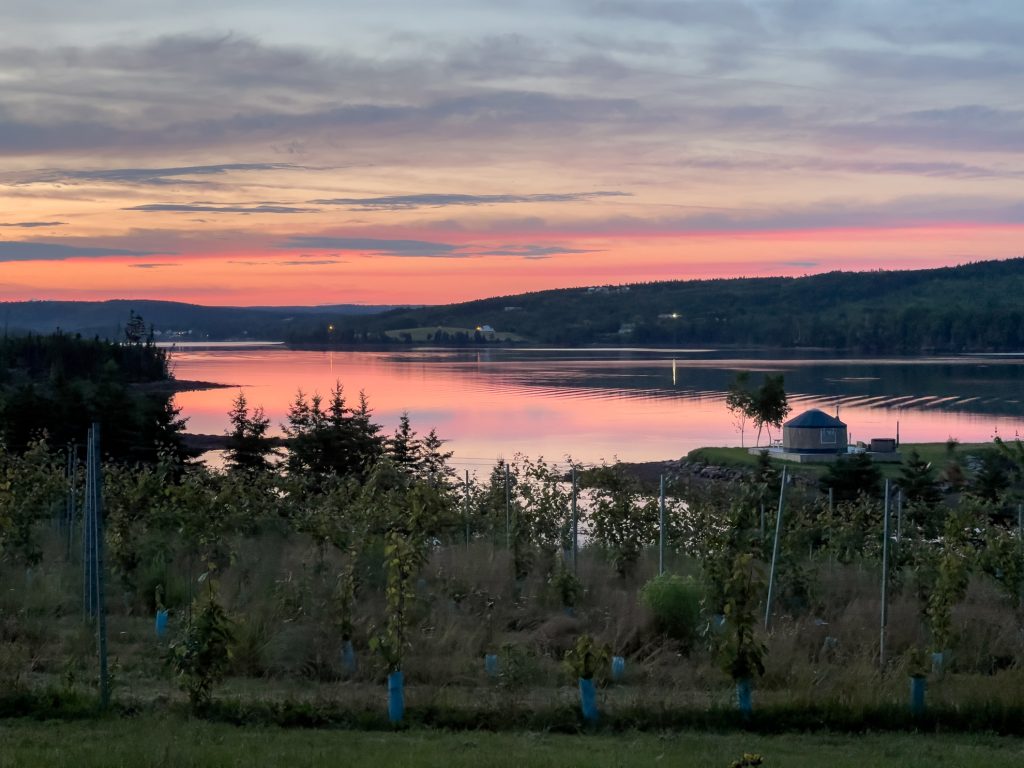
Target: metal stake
(467,509)
(899,523)
(508,509)
(885,579)
(661,526)
(575,524)
(775,552)
(101,608)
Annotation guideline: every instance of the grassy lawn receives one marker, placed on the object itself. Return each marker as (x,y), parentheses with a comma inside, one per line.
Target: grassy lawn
(740,457)
(174,742)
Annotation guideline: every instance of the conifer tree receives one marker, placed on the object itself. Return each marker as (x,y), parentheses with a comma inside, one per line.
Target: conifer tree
(247,439)
(403,448)
(433,464)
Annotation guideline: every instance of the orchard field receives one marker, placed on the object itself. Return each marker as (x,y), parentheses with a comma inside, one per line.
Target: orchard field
(288,590)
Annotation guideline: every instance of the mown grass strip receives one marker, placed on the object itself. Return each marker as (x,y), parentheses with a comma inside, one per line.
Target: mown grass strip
(156,741)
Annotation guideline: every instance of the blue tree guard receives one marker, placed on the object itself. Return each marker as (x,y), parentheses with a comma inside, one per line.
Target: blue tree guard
(491,664)
(348,657)
(588,700)
(160,623)
(744,698)
(396,697)
(618,668)
(918,686)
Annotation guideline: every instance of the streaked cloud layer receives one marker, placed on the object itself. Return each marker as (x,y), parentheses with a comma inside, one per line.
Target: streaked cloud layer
(493,147)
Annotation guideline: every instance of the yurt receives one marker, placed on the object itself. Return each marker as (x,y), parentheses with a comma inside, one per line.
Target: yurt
(814,431)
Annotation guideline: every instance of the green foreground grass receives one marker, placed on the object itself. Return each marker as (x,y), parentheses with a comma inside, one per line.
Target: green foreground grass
(741,457)
(174,742)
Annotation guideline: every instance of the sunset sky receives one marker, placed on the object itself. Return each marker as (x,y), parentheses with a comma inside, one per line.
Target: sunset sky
(323,151)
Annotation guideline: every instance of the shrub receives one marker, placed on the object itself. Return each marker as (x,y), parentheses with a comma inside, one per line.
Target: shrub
(675,604)
(202,656)
(567,586)
(587,659)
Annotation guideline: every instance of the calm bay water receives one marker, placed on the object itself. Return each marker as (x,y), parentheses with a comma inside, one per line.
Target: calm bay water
(633,404)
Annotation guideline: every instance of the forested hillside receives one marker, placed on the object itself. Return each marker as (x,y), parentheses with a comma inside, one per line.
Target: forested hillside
(171,320)
(54,387)
(975,307)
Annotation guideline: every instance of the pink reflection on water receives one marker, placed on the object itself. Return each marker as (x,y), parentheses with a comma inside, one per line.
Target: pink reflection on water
(490,406)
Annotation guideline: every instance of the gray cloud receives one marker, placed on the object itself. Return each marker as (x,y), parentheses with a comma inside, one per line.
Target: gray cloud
(11,250)
(207,91)
(144,176)
(902,66)
(725,14)
(188,92)
(910,211)
(311,262)
(32,224)
(377,246)
(153,265)
(864,165)
(532,252)
(976,24)
(830,213)
(212,208)
(410,202)
(477,87)
(421,248)
(966,127)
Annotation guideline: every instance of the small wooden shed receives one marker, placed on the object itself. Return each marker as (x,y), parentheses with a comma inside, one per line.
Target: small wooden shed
(814,431)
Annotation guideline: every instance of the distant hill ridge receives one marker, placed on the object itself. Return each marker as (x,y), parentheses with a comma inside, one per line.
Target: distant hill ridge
(971,307)
(107,318)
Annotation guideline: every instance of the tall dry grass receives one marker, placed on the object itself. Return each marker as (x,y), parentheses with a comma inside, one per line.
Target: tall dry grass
(280,592)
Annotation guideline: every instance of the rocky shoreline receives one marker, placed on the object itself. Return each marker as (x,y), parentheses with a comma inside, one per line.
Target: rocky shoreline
(649,472)
(696,472)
